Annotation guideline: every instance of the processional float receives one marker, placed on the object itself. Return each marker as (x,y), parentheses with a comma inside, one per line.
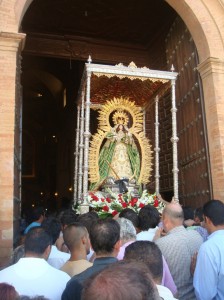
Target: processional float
(119,153)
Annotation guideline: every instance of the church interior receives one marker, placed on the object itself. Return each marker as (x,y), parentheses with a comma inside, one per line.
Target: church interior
(59,40)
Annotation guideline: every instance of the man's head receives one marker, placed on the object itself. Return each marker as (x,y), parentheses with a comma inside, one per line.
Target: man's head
(76,238)
(213,212)
(8,292)
(38,214)
(88,219)
(198,215)
(67,217)
(148,217)
(37,243)
(149,254)
(131,215)
(122,280)
(127,230)
(105,237)
(53,227)
(172,216)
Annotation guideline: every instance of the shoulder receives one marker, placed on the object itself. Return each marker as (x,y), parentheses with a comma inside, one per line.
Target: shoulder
(81,276)
(7,271)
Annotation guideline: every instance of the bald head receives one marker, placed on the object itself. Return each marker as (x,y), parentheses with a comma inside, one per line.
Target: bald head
(73,235)
(173,212)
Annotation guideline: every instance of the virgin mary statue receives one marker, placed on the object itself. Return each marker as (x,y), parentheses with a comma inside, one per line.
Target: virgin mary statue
(117,149)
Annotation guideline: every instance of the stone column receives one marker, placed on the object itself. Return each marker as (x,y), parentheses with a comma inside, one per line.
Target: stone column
(10,45)
(212,74)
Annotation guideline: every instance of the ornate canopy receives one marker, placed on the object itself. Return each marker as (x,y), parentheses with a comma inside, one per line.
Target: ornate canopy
(137,84)
(100,84)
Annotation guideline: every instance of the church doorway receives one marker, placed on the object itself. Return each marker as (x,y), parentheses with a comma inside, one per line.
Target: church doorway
(59,40)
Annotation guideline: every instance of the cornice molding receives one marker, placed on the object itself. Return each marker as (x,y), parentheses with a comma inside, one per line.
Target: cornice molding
(12,41)
(211,65)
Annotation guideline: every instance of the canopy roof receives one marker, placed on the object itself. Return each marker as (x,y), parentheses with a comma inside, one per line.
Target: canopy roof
(137,84)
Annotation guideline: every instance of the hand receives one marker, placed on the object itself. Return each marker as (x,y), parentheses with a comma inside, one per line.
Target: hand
(158,234)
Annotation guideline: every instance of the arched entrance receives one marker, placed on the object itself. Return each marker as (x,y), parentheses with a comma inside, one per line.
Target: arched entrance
(203,23)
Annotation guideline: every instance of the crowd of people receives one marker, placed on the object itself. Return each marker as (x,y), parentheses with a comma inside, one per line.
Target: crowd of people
(176,255)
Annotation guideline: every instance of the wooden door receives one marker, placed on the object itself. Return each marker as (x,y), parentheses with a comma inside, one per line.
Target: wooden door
(193,155)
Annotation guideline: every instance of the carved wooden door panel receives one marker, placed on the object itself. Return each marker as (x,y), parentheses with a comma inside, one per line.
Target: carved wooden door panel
(193,155)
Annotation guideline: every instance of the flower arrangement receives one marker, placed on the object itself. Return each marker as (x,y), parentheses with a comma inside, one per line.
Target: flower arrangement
(111,205)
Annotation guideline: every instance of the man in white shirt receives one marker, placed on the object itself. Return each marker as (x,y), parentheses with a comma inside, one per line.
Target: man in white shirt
(56,258)
(32,275)
(150,255)
(149,219)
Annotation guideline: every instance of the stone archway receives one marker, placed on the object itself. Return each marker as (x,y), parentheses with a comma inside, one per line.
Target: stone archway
(205,21)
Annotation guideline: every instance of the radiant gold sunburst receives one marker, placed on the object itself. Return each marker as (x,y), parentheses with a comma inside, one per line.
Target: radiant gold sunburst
(121,108)
(120,117)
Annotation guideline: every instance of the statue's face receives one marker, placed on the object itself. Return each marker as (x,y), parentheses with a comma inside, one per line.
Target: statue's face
(120,127)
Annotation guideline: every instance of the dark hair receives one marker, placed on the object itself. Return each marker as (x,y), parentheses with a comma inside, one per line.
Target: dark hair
(148,253)
(8,292)
(131,215)
(188,212)
(148,217)
(72,235)
(37,212)
(67,217)
(120,281)
(214,210)
(198,212)
(104,234)
(88,219)
(53,227)
(37,240)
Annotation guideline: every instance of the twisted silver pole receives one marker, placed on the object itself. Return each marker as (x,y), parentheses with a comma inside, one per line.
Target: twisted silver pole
(75,189)
(174,139)
(157,149)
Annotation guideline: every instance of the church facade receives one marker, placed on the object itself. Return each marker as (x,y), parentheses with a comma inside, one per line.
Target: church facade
(205,22)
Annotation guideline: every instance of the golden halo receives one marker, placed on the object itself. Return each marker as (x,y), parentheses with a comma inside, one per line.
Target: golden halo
(120,117)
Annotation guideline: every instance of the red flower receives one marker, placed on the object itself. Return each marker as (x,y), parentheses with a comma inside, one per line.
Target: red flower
(156,203)
(108,200)
(114,213)
(141,205)
(120,198)
(105,208)
(134,200)
(124,204)
(94,197)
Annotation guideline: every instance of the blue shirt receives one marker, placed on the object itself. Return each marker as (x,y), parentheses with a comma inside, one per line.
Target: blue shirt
(33,224)
(209,272)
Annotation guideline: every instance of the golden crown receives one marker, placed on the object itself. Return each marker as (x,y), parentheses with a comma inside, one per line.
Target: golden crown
(120,117)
